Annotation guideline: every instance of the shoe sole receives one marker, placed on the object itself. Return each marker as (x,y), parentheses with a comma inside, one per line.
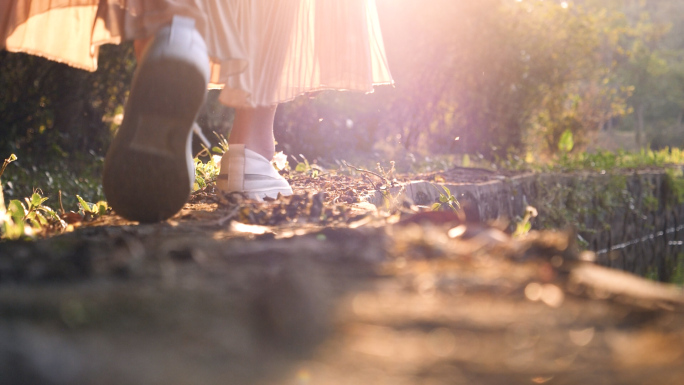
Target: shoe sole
(270,193)
(146,175)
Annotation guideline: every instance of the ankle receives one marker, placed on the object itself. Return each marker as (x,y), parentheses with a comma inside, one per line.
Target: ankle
(267,150)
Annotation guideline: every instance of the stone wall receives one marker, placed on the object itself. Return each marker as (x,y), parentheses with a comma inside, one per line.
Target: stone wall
(631,219)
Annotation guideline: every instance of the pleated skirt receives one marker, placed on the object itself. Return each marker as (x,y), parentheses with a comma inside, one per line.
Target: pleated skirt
(262,52)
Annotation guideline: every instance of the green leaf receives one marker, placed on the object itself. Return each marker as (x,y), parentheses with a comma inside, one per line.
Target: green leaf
(13,230)
(37,200)
(40,218)
(566,142)
(50,212)
(217,150)
(301,167)
(446,190)
(84,205)
(436,206)
(101,207)
(527,227)
(16,210)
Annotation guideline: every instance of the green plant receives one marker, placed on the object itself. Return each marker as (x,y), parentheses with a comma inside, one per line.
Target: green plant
(92,209)
(525,225)
(674,187)
(304,167)
(222,145)
(7,161)
(80,173)
(23,219)
(678,274)
(566,142)
(206,172)
(20,220)
(652,273)
(446,199)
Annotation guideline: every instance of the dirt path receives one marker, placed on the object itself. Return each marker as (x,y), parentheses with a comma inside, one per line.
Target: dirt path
(315,290)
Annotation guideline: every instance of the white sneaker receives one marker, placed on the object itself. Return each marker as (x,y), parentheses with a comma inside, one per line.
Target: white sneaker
(149,172)
(245,170)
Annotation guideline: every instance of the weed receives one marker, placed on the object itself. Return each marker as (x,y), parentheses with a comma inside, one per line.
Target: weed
(678,273)
(206,172)
(22,219)
(222,144)
(652,274)
(92,209)
(446,199)
(7,161)
(19,220)
(78,174)
(673,187)
(525,225)
(566,142)
(30,216)
(387,175)
(304,167)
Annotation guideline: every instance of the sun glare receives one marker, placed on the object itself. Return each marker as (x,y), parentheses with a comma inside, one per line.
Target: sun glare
(564,4)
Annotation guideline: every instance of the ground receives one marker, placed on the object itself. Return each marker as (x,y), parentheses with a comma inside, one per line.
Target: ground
(321,288)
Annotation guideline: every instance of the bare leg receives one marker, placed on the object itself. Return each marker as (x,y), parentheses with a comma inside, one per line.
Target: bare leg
(253,127)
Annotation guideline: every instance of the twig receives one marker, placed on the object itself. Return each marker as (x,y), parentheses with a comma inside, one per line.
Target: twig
(385,180)
(61,206)
(365,177)
(228,217)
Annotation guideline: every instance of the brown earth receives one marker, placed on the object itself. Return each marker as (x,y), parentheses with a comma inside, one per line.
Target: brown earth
(321,288)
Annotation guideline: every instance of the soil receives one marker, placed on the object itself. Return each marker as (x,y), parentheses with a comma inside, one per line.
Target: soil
(323,288)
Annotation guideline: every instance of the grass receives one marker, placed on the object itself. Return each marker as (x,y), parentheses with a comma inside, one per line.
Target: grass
(72,176)
(678,273)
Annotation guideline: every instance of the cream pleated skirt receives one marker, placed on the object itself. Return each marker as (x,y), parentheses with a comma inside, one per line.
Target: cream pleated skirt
(263,52)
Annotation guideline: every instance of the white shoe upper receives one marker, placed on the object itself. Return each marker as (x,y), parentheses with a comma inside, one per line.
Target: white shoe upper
(245,170)
(241,169)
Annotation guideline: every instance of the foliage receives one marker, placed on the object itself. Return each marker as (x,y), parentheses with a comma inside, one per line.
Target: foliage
(525,225)
(76,174)
(566,142)
(492,78)
(304,167)
(23,220)
(206,172)
(92,209)
(7,161)
(674,187)
(446,200)
(678,270)
(607,161)
(48,109)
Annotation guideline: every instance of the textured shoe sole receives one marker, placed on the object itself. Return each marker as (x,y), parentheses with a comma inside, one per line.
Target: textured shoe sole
(146,172)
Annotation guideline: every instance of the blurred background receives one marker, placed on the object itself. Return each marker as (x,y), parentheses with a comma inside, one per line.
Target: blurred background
(500,80)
